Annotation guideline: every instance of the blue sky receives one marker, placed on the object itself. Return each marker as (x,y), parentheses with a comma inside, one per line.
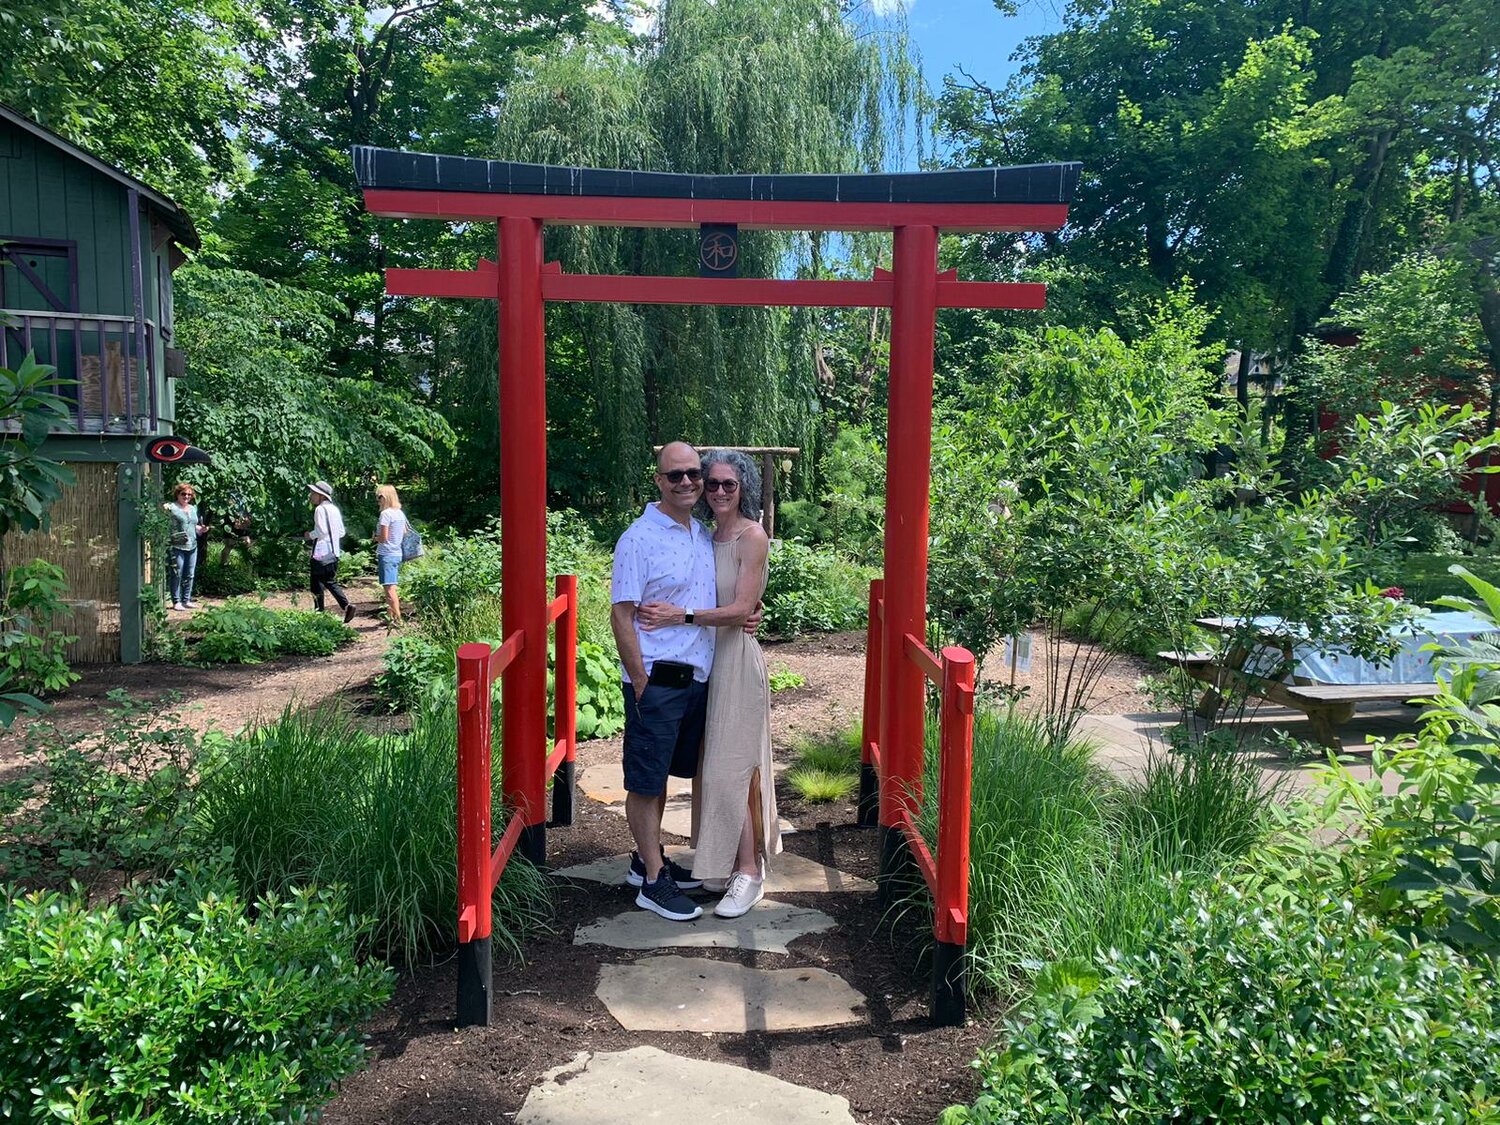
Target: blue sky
(973,35)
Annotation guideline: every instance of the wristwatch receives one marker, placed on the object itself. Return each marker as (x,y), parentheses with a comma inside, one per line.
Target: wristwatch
(687,617)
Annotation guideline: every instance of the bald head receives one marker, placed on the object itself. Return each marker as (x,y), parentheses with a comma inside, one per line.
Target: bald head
(676,455)
(680,460)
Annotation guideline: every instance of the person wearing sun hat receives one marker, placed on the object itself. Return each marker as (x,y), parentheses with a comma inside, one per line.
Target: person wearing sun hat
(326,535)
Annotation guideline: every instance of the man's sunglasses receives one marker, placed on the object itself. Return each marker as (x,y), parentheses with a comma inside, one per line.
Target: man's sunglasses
(676,475)
(712,485)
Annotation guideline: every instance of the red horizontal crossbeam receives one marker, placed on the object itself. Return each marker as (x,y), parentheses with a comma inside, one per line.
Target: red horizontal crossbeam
(625,289)
(555,759)
(750,214)
(506,654)
(556,608)
(501,855)
(920,655)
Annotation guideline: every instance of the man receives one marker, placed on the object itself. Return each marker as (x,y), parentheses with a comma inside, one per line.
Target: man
(665,556)
(326,536)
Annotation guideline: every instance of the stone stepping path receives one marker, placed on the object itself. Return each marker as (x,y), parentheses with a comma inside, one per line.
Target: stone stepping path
(605,782)
(769,928)
(679,988)
(628,1086)
(691,994)
(791,873)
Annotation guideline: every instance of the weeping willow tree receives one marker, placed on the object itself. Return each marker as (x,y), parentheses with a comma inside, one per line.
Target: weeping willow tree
(719,86)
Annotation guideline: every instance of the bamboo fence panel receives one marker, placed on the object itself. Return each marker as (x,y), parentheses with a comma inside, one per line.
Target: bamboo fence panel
(84,540)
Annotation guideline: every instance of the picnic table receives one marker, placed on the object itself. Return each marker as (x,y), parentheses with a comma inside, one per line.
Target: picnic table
(1325,684)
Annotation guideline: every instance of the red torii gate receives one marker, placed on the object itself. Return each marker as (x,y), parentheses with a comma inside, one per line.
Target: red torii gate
(522,198)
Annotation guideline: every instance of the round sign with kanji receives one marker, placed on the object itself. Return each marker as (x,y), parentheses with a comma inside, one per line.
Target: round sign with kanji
(718,250)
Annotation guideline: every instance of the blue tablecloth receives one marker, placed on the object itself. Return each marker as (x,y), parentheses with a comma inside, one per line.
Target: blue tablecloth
(1410,664)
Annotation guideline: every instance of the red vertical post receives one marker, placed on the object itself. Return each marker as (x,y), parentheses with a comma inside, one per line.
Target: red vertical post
(474,743)
(523,526)
(956,767)
(565,701)
(869,778)
(908,468)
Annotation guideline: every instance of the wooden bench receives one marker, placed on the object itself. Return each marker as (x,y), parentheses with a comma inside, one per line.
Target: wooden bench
(1325,705)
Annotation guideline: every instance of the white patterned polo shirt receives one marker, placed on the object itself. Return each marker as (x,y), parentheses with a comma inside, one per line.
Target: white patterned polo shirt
(659,560)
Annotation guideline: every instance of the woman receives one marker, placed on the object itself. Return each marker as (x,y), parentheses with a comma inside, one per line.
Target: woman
(388,535)
(735,827)
(186,527)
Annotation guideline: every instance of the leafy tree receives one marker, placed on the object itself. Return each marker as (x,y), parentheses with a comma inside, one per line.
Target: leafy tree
(734,86)
(417,74)
(30,409)
(158,87)
(260,396)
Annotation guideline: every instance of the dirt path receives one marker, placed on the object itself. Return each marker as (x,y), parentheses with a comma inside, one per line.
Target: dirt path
(225,696)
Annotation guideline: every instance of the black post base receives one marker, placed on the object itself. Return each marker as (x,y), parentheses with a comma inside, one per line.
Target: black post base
(533,844)
(869,796)
(949,985)
(474,972)
(562,795)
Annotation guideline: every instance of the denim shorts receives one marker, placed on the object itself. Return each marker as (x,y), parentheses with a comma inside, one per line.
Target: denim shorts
(663,735)
(390,570)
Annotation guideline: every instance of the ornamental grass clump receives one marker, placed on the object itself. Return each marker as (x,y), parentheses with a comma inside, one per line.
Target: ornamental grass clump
(826,769)
(313,799)
(1066,859)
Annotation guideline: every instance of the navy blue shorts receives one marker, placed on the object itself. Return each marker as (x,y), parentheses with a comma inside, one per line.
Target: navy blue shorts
(663,735)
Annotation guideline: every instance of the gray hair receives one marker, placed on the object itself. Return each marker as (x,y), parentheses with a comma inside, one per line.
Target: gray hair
(749,477)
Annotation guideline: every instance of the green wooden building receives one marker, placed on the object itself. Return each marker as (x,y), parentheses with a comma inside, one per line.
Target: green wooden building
(86,260)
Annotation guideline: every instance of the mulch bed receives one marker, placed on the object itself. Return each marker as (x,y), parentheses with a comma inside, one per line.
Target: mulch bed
(895,1068)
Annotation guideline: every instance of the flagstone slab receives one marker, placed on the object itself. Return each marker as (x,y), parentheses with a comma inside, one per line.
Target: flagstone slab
(789,872)
(626,1088)
(605,783)
(692,994)
(678,819)
(768,928)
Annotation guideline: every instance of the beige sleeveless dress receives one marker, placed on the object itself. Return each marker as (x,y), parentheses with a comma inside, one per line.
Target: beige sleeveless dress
(736,770)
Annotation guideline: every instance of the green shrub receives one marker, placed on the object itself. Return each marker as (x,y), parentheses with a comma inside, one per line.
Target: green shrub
(412,669)
(33,659)
(115,798)
(1233,1010)
(813,590)
(454,573)
(244,631)
(1065,859)
(601,699)
(181,1005)
(224,580)
(784,679)
(313,799)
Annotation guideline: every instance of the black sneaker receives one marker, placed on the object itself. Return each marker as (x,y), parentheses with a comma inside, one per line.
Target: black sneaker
(636,876)
(348,613)
(664,897)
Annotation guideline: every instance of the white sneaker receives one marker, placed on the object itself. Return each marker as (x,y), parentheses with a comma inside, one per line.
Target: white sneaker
(743,893)
(190,605)
(178,606)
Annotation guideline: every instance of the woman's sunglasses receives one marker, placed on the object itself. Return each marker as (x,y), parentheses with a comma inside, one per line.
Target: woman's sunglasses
(712,485)
(676,475)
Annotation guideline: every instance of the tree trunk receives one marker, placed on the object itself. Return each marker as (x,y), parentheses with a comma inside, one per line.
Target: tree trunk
(1344,260)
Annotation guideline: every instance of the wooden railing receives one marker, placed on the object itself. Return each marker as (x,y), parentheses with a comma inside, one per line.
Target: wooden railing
(946,873)
(110,366)
(481,860)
